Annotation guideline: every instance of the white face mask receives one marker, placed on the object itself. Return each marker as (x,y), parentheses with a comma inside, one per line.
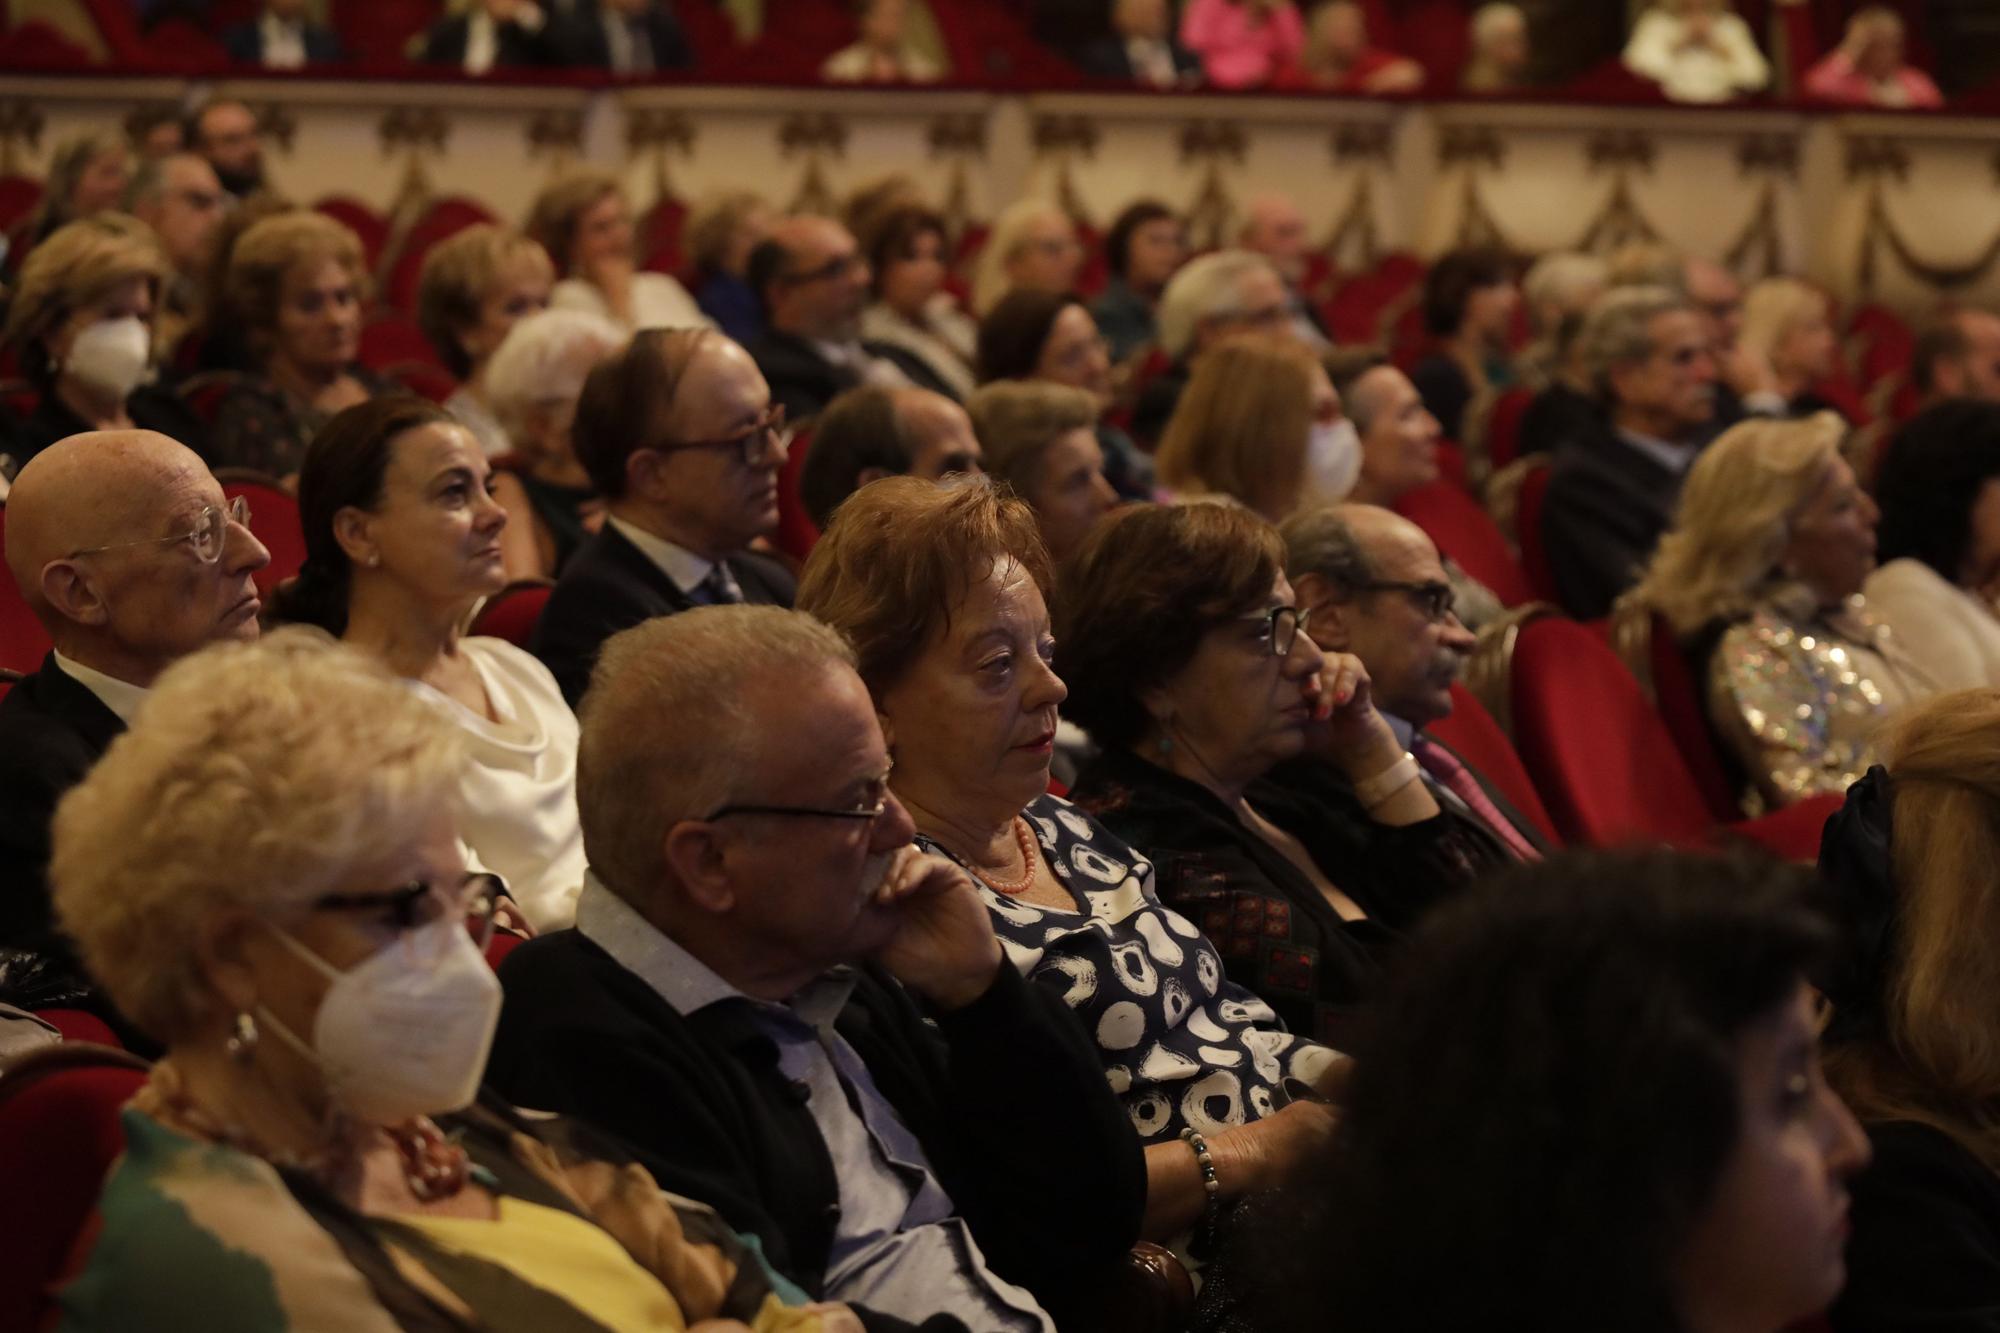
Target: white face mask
(405,1032)
(1333,462)
(112,355)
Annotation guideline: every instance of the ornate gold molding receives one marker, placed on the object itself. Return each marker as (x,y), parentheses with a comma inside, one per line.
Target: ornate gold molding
(1212,143)
(21,124)
(961,140)
(818,136)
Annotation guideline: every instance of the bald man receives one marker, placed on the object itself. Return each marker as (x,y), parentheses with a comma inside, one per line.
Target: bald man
(867,434)
(1275,228)
(128,553)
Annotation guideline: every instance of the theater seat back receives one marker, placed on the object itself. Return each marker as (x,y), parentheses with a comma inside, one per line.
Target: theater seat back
(513,612)
(274,520)
(1476,738)
(1534,551)
(1464,531)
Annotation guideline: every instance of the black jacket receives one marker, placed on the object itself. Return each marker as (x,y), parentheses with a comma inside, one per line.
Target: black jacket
(610,585)
(581,41)
(245,44)
(1107,58)
(805,382)
(151,407)
(1007,1097)
(1606,508)
(52,729)
(447,39)
(1925,1253)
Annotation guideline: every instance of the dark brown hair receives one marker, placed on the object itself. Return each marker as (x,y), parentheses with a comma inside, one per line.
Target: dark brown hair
(625,400)
(894,237)
(1012,335)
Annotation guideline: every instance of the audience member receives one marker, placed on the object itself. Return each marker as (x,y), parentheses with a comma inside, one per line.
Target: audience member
(402,541)
(156,131)
(1146,246)
(130,557)
(871,433)
(1209,299)
(1032,247)
(220,868)
(1274,227)
(1141,48)
(87,175)
(1037,336)
(679,435)
(493,34)
(787,1008)
(888,50)
(1760,579)
(721,232)
(1788,337)
(957,661)
(226,132)
(178,196)
(907,254)
(1040,441)
(1697,51)
(282,36)
(1648,353)
(1371,583)
(1469,304)
(1908,867)
(584,221)
(538,375)
(1957,356)
(1260,424)
(1501,50)
(82,319)
(1338,58)
(1868,69)
(1699,1158)
(631,37)
(473,288)
(295,284)
(1188,663)
(1243,43)
(1559,290)
(1936,589)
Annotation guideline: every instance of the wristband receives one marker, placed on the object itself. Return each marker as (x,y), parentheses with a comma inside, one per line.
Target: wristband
(1372,792)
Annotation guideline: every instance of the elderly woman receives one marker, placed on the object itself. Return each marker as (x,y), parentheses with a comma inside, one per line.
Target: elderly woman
(1697,51)
(1039,440)
(1261,424)
(1050,338)
(402,540)
(1032,247)
(538,375)
(82,320)
(584,221)
(940,591)
(1146,246)
(264,872)
(87,175)
(1590,1102)
(1761,578)
(1938,588)
(907,254)
(1909,862)
(720,233)
(1788,338)
(473,289)
(295,282)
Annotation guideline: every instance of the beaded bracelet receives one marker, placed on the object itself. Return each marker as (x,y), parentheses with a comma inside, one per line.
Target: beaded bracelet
(1203,1240)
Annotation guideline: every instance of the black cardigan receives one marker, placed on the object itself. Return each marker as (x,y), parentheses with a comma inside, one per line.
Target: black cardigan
(1007,1097)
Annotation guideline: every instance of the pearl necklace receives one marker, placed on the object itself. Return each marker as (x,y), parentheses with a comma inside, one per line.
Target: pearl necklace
(1025,840)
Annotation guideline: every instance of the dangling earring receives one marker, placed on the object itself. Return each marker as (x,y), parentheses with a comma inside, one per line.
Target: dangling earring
(243,1042)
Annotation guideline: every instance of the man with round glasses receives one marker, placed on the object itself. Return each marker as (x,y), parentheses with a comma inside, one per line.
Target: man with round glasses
(126,550)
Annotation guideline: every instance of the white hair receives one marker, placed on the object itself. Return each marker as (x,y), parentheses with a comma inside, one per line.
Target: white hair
(1566,279)
(1003,242)
(1490,20)
(1205,289)
(544,359)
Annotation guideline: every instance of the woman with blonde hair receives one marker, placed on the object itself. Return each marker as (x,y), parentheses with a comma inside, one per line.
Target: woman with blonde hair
(1040,441)
(87,175)
(473,289)
(1032,246)
(1788,336)
(585,223)
(1914,1040)
(1260,423)
(1760,579)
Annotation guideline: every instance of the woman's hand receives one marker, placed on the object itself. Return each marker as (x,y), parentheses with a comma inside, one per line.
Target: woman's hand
(944,947)
(1345,727)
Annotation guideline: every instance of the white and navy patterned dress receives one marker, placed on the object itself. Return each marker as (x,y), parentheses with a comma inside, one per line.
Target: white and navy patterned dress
(1183,1047)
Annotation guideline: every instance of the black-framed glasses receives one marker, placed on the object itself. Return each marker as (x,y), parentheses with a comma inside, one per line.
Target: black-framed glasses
(1281,626)
(770,435)
(1434,597)
(209,534)
(837,267)
(418,903)
(870,811)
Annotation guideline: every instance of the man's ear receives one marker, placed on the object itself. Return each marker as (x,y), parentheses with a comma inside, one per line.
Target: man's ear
(697,854)
(1331,622)
(73,594)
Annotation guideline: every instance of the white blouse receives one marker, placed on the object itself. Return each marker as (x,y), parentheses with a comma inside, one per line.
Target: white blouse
(658,302)
(1953,633)
(519,788)
(1729,66)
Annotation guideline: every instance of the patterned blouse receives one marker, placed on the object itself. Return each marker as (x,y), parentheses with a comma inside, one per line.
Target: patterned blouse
(1183,1046)
(261,426)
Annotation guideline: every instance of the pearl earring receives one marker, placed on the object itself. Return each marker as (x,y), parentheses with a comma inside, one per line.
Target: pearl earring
(244,1040)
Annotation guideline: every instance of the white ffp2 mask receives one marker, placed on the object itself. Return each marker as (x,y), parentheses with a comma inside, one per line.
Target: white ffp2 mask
(1333,462)
(112,355)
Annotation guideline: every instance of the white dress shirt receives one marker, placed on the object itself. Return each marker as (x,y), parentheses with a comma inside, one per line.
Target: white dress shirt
(688,570)
(658,302)
(284,42)
(1728,66)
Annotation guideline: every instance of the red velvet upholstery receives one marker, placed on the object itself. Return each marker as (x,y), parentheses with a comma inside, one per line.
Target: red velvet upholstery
(1528,525)
(441,221)
(512,613)
(1792,832)
(204,393)
(1452,469)
(1680,705)
(1503,427)
(18,194)
(1478,740)
(79,1025)
(361,219)
(1463,530)
(23,641)
(393,339)
(797,533)
(274,519)
(660,235)
(423,378)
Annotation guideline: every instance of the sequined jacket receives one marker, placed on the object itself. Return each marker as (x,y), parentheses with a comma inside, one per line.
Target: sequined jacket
(1796,692)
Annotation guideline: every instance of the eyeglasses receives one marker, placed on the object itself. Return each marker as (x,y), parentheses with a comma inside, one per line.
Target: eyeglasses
(1281,627)
(1433,598)
(477,899)
(770,435)
(210,531)
(837,267)
(805,811)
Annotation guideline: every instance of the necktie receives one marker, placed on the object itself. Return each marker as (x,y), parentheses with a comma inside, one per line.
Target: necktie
(1456,778)
(717,588)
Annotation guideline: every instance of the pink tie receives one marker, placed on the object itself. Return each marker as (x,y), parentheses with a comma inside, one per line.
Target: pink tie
(1455,777)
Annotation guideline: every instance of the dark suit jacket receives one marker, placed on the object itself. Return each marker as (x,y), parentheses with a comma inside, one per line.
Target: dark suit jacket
(805,382)
(445,44)
(610,585)
(245,44)
(1107,58)
(1925,1253)
(1606,507)
(581,41)
(1007,1097)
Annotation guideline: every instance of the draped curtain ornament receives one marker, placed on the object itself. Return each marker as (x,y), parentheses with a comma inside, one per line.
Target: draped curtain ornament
(1212,142)
(817,136)
(1469,147)
(21,124)
(1877,161)
(1758,250)
(1367,146)
(556,134)
(417,133)
(961,140)
(1620,222)
(660,132)
(276,125)
(1066,139)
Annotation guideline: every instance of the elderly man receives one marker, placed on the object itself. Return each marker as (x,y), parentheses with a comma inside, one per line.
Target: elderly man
(1649,354)
(181,199)
(680,437)
(1399,436)
(1275,228)
(868,434)
(813,282)
(1958,356)
(1209,299)
(127,552)
(225,132)
(1372,584)
(786,1010)
(1141,49)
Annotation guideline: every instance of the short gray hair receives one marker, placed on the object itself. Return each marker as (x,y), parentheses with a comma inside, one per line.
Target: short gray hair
(1559,277)
(666,732)
(149,181)
(545,358)
(1204,289)
(1320,541)
(1620,331)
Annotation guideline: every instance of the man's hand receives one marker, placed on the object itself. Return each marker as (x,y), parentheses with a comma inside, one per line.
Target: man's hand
(944,947)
